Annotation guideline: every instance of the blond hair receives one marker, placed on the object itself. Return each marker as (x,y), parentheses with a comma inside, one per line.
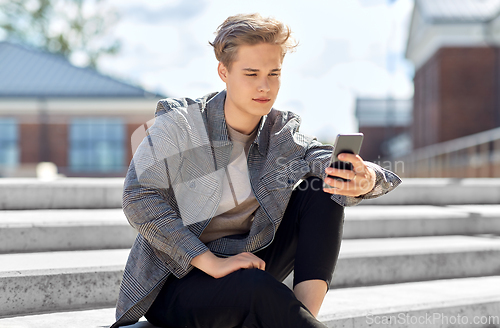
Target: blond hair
(250,29)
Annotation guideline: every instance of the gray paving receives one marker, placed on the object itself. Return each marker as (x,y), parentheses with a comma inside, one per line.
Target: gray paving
(383,261)
(62,260)
(29,193)
(450,299)
(420,220)
(54,281)
(432,246)
(453,299)
(82,279)
(59,230)
(85,229)
(442,191)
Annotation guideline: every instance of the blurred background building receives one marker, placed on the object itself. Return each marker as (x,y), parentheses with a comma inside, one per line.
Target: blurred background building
(454,45)
(386,125)
(73,117)
(58,105)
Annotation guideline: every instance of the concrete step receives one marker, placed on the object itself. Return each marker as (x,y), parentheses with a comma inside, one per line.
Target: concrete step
(40,282)
(442,303)
(442,191)
(29,193)
(64,230)
(420,220)
(86,229)
(365,262)
(66,193)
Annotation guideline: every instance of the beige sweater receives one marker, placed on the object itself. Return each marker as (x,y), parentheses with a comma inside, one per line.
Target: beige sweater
(238,203)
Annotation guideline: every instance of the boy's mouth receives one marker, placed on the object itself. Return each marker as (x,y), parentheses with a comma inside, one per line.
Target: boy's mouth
(262,100)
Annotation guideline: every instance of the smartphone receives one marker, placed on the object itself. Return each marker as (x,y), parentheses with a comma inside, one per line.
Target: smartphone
(344,143)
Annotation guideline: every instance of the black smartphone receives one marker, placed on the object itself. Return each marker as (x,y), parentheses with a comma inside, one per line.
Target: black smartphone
(344,143)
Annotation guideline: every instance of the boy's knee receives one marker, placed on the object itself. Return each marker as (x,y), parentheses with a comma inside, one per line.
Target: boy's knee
(259,282)
(263,278)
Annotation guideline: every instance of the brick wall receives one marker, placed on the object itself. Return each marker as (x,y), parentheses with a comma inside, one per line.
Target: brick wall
(36,146)
(426,104)
(29,135)
(455,95)
(58,144)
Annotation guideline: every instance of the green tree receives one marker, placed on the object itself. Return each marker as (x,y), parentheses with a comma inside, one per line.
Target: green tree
(72,28)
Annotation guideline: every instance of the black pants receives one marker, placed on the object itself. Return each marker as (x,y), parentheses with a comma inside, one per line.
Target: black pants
(307,241)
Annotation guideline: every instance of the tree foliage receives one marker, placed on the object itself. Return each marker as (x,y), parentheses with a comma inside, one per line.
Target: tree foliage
(72,28)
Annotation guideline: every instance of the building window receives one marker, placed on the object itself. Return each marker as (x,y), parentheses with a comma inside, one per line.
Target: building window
(9,135)
(97,145)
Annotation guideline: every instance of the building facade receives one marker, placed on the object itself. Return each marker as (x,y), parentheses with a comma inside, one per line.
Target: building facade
(76,118)
(454,46)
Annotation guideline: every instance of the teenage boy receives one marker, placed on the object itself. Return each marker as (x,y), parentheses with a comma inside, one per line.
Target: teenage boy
(213,192)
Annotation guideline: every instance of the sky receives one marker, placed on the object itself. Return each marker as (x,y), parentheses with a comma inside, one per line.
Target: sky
(347,49)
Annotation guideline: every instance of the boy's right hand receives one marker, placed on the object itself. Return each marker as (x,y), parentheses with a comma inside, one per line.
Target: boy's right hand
(219,267)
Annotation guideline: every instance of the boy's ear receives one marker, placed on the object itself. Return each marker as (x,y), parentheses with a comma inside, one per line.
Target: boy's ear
(222,70)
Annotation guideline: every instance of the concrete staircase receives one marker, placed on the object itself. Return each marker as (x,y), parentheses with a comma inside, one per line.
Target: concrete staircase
(426,255)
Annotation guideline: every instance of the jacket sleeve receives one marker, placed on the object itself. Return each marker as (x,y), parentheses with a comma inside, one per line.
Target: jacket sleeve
(318,156)
(149,202)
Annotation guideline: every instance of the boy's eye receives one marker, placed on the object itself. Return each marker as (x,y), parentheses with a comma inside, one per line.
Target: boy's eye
(274,74)
(253,74)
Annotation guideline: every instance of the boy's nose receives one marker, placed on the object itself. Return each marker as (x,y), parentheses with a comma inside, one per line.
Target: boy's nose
(264,85)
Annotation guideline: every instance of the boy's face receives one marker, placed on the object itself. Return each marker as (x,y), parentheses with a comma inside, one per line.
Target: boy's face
(254,79)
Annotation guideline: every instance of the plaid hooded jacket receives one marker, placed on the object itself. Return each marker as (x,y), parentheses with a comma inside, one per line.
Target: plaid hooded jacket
(174,184)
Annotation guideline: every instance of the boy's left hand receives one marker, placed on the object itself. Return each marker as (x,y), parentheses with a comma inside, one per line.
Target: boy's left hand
(361,178)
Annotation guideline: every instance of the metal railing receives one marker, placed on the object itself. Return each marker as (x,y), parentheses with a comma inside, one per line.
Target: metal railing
(476,155)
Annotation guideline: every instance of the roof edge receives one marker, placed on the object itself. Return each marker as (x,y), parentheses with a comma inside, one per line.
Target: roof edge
(87,69)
